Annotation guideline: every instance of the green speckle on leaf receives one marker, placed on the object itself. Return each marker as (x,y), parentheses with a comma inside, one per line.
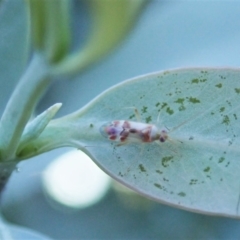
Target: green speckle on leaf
(193,100)
(218,85)
(180,100)
(165,179)
(157,185)
(229,103)
(193,182)
(165,160)
(235,116)
(222,109)
(163,105)
(158,171)
(169,111)
(141,167)
(195,80)
(177,91)
(207,169)
(181,108)
(157,104)
(221,159)
(226,120)
(144,109)
(91,125)
(237,90)
(227,164)
(132,116)
(182,194)
(148,119)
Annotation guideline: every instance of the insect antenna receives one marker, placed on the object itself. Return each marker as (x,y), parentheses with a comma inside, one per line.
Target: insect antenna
(136,113)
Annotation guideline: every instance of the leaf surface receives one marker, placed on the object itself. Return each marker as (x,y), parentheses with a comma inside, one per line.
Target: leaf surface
(197,169)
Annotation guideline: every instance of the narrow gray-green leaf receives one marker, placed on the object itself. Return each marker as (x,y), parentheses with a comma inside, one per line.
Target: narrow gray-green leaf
(197,169)
(111,20)
(50,27)
(20,106)
(35,127)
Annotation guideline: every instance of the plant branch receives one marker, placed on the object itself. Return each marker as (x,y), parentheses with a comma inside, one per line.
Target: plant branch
(21,105)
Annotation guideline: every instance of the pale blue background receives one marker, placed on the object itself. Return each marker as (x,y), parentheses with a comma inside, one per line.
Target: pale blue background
(169,34)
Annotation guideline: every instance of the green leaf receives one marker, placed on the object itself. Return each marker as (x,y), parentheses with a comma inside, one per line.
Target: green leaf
(111,21)
(197,168)
(50,27)
(35,127)
(21,104)
(13,48)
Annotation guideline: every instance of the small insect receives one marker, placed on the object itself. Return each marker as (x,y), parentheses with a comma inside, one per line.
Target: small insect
(125,132)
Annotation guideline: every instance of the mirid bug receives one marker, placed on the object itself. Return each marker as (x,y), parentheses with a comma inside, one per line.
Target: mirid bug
(126,132)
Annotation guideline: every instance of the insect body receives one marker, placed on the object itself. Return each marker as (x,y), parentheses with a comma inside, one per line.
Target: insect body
(125,132)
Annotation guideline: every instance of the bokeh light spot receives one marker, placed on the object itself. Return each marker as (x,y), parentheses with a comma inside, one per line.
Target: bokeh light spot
(75,181)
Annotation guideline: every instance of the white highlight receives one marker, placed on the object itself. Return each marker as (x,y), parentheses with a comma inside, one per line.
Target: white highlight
(74,180)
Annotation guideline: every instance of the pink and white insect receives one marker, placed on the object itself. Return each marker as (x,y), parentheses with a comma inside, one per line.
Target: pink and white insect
(125,132)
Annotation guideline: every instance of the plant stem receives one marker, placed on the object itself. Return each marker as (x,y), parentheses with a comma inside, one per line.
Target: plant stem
(4,230)
(21,105)
(6,168)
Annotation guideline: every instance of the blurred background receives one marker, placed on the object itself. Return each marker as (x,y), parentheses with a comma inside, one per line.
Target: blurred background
(76,200)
